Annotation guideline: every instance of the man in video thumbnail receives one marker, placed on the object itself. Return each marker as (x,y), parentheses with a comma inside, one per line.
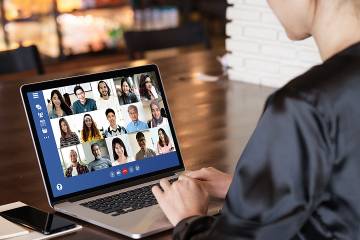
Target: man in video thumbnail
(76,168)
(114,129)
(135,125)
(144,152)
(83,104)
(99,161)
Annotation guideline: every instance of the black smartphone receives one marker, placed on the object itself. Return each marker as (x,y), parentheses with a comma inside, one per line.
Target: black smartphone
(46,223)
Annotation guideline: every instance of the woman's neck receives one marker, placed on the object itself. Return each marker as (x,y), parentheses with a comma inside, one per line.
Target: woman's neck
(335,30)
(122,159)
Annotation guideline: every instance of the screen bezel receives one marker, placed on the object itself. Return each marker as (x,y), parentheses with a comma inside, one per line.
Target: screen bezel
(40,86)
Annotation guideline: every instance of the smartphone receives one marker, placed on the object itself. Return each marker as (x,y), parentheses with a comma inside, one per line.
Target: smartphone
(46,223)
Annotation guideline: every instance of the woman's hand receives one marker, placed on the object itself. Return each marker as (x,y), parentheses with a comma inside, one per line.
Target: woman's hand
(184,198)
(215,182)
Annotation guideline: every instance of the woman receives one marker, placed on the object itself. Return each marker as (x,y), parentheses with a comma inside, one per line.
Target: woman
(157,120)
(59,107)
(147,90)
(127,96)
(89,131)
(119,152)
(298,175)
(164,144)
(68,138)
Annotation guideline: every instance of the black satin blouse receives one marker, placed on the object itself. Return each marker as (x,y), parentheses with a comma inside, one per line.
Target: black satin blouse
(299,175)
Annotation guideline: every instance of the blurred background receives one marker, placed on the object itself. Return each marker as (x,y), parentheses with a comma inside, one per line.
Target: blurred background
(94,30)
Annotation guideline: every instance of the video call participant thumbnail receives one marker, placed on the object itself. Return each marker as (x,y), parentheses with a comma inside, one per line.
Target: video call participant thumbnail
(68,138)
(106,98)
(83,104)
(127,95)
(90,132)
(76,168)
(157,120)
(59,106)
(119,151)
(164,144)
(148,91)
(99,161)
(114,129)
(144,152)
(135,125)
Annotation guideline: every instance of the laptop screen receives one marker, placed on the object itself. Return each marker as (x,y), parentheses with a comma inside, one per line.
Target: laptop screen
(103,131)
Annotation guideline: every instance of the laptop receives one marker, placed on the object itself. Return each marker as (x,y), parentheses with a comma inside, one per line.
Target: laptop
(102,141)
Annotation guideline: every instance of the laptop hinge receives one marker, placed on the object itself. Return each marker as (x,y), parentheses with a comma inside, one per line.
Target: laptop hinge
(118,187)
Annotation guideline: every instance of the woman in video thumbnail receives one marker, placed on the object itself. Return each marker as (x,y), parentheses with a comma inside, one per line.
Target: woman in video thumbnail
(119,151)
(59,106)
(127,96)
(157,120)
(147,89)
(164,144)
(89,131)
(68,138)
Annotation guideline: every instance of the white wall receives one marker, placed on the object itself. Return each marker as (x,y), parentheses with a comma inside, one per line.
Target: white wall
(260,51)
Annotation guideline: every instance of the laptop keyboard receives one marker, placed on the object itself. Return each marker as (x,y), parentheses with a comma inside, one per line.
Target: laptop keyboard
(125,202)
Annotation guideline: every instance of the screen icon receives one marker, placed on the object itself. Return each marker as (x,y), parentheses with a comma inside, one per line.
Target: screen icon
(137,168)
(125,171)
(44,130)
(41,114)
(35,95)
(42,123)
(112,174)
(131,169)
(118,172)
(59,186)
(38,107)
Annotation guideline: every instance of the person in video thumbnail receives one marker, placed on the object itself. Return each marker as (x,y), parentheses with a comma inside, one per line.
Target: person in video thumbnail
(99,161)
(144,152)
(76,168)
(114,129)
(147,90)
(106,99)
(83,104)
(164,144)
(135,125)
(157,120)
(68,138)
(89,131)
(127,96)
(59,106)
(119,152)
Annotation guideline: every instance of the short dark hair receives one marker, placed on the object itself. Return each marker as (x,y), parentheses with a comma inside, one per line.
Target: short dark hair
(139,135)
(109,110)
(93,145)
(102,81)
(78,88)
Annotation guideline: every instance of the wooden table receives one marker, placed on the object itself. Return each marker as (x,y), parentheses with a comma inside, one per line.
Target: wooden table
(213,121)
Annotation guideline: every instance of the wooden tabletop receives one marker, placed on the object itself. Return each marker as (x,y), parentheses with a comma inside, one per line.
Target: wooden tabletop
(213,122)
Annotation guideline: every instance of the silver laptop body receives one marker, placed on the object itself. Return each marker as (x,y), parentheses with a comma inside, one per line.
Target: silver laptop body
(135,224)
